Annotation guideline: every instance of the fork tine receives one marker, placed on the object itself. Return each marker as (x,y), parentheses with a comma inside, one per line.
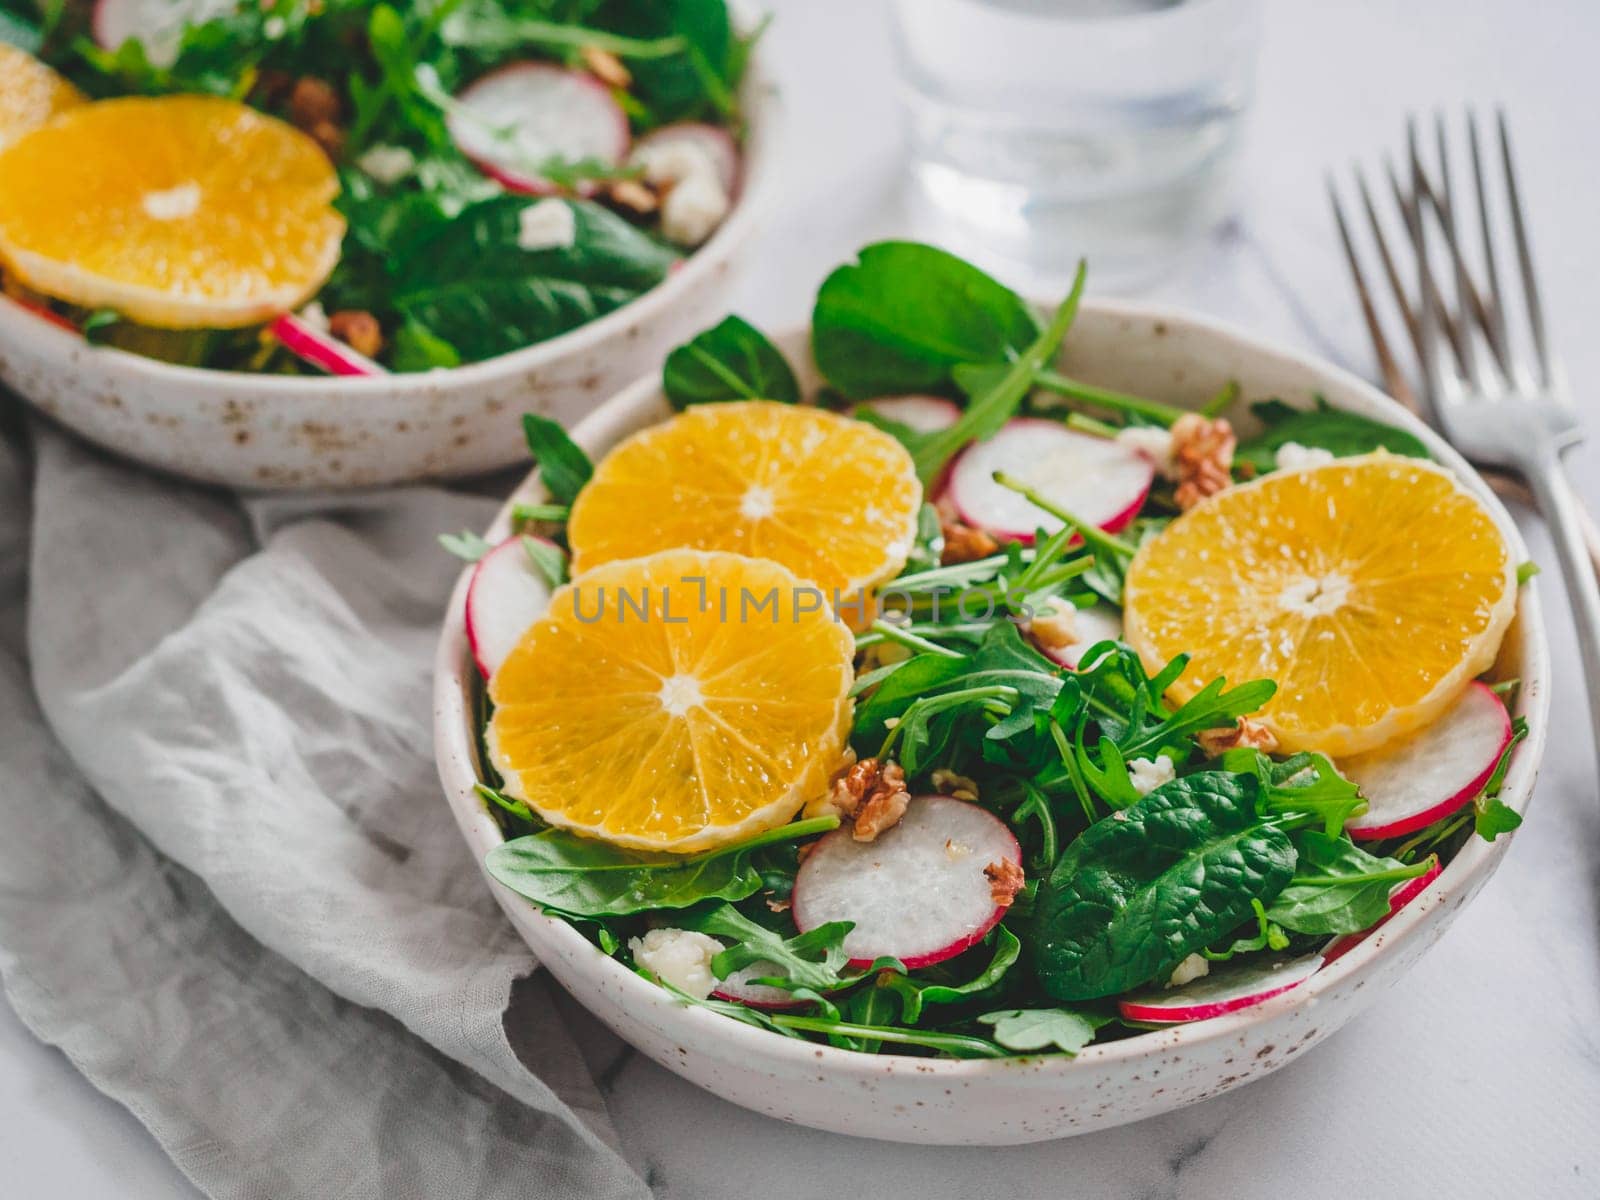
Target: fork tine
(1530,286)
(1407,313)
(1467,298)
(1495,301)
(1434,319)
(1394,378)
(1411,210)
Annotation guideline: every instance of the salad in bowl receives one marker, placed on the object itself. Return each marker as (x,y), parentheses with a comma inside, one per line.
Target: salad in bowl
(342,244)
(917,701)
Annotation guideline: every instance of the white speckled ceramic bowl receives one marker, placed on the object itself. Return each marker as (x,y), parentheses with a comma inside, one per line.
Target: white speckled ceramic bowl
(1178,358)
(277,431)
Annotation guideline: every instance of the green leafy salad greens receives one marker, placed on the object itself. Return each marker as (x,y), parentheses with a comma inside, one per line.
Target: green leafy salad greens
(432,248)
(1239,855)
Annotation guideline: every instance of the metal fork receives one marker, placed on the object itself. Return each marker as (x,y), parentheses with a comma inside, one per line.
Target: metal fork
(1493,402)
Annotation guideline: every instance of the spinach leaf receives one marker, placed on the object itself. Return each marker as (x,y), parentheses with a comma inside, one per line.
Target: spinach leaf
(1337,887)
(20,31)
(1063,1029)
(904,315)
(698,78)
(1342,433)
(469,282)
(1139,892)
(809,960)
(563,466)
(418,348)
(730,361)
(915,993)
(582,877)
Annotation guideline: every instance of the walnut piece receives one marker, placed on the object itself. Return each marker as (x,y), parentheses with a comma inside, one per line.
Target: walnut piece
(1244,732)
(605,66)
(1055,625)
(633,195)
(871,794)
(958,787)
(1202,451)
(357,329)
(1005,881)
(963,543)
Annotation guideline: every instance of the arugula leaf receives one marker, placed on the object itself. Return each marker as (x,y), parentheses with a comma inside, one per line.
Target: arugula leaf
(1063,1029)
(1342,433)
(1303,783)
(1491,818)
(1526,571)
(471,284)
(1268,936)
(466,545)
(1138,893)
(994,393)
(582,877)
(418,348)
(730,361)
(1338,887)
(809,960)
(915,994)
(19,31)
(902,316)
(563,466)
(547,559)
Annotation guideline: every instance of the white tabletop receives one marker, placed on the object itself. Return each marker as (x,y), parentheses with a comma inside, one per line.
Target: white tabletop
(1479,1074)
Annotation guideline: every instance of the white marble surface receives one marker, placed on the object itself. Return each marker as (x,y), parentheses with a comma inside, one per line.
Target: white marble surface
(1479,1075)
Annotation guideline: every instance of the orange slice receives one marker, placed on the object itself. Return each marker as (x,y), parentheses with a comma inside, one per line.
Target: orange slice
(30,94)
(178,211)
(1371,589)
(833,499)
(676,703)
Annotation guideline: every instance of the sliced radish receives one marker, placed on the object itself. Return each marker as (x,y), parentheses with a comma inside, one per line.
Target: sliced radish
(739,988)
(45,313)
(322,350)
(529,113)
(1095,624)
(1227,988)
(1432,773)
(918,893)
(157,25)
(1405,892)
(1101,480)
(507,594)
(924,414)
(714,144)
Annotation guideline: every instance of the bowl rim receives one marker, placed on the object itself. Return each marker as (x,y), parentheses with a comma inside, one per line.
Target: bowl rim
(455,674)
(757,194)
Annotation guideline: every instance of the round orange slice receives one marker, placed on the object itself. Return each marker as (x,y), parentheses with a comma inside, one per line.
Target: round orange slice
(177,211)
(675,703)
(30,94)
(833,499)
(1371,589)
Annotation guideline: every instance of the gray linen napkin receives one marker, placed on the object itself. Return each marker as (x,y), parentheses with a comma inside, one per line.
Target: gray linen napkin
(230,890)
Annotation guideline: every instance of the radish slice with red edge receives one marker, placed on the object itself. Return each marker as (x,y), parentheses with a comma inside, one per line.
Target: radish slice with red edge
(1095,624)
(716,145)
(738,988)
(45,313)
(1227,988)
(322,350)
(157,25)
(1433,773)
(1100,480)
(1405,892)
(507,594)
(924,414)
(528,113)
(918,893)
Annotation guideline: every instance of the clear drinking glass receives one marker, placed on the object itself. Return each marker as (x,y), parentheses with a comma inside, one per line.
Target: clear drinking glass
(1046,130)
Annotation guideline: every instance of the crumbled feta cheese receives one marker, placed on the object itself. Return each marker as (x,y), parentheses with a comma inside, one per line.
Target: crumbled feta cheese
(1155,444)
(274,27)
(694,208)
(387,164)
(547,225)
(680,957)
(1189,970)
(1292,456)
(1149,774)
(315,316)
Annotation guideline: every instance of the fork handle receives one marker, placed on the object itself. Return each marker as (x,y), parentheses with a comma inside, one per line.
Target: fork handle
(1563,513)
(1510,486)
